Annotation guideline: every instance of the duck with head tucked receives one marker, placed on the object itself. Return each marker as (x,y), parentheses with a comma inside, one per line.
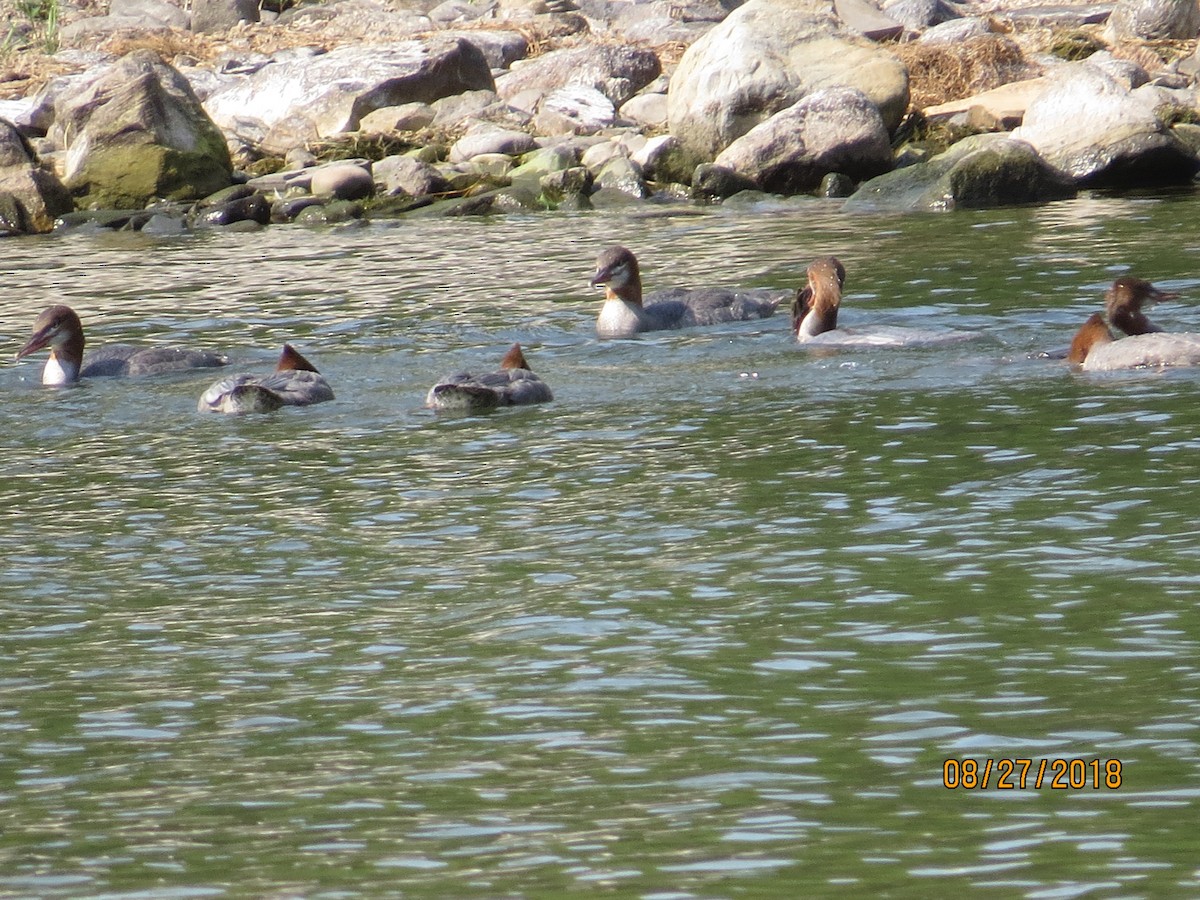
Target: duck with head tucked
(513,385)
(59,328)
(815,316)
(295,382)
(1127,339)
(626,313)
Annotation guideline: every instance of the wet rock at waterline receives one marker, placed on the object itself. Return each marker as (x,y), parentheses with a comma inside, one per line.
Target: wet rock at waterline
(835,130)
(1093,128)
(982,171)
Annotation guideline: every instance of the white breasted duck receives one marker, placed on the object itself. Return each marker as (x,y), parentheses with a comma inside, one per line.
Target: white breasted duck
(625,312)
(59,328)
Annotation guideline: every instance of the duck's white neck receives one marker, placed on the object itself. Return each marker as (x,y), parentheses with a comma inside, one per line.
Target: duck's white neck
(619,317)
(59,370)
(811,325)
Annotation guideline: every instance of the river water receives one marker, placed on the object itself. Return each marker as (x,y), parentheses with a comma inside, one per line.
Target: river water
(723,620)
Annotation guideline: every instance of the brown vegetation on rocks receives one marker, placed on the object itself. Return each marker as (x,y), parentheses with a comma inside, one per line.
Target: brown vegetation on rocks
(939,73)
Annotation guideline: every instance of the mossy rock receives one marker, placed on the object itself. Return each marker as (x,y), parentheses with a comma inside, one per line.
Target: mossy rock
(983,171)
(121,177)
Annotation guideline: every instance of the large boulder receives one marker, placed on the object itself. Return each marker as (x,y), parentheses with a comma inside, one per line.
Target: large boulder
(982,171)
(834,130)
(1092,127)
(33,195)
(138,133)
(329,94)
(615,71)
(1154,20)
(765,57)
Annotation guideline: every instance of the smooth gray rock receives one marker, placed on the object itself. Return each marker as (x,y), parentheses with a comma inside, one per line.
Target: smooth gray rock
(646,110)
(159,12)
(451,11)
(478,106)
(834,130)
(138,133)
(343,182)
(406,175)
(918,14)
(983,171)
(620,175)
(574,109)
(766,56)
(866,19)
(406,117)
(217,16)
(1091,127)
(617,72)
(501,48)
(483,139)
(334,91)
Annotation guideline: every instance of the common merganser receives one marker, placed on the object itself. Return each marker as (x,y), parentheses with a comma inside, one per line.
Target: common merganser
(815,309)
(295,382)
(624,313)
(1094,349)
(1123,304)
(513,385)
(59,328)
(815,313)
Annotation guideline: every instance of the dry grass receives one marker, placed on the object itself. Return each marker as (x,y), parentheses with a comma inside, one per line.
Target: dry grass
(939,73)
(541,33)
(1154,56)
(362,145)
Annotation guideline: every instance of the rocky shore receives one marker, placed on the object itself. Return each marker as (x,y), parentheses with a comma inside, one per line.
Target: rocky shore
(154,118)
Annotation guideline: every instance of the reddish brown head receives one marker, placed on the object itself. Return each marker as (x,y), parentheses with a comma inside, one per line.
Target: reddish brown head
(55,327)
(514,359)
(292,361)
(617,269)
(815,308)
(1093,332)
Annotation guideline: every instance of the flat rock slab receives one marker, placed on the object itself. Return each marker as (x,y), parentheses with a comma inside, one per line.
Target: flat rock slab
(1009,101)
(335,90)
